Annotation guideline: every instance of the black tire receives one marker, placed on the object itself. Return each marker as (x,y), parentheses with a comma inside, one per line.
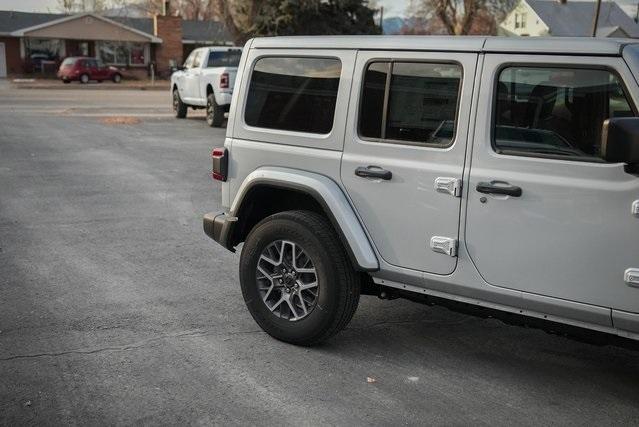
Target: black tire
(338,283)
(117,78)
(84,78)
(214,113)
(179,108)
(66,81)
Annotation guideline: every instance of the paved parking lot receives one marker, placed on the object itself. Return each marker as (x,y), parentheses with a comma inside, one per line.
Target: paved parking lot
(116,309)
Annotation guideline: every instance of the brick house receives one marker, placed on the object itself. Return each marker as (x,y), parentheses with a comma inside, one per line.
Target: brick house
(38,42)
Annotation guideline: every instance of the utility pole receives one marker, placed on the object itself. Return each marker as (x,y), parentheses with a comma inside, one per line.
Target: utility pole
(595,21)
(381,19)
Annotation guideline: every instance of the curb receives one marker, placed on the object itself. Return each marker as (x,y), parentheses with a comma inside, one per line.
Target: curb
(92,87)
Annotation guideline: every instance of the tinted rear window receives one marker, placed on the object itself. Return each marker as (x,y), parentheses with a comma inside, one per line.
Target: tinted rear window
(229,58)
(296,94)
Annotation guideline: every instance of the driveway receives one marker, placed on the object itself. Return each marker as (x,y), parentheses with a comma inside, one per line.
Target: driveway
(116,309)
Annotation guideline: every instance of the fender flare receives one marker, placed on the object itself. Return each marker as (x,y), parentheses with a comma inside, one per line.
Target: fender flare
(329,196)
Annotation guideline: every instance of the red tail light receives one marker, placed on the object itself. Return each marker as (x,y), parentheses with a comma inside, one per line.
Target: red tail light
(220,164)
(224,80)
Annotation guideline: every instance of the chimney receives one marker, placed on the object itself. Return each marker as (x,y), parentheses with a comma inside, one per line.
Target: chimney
(169,28)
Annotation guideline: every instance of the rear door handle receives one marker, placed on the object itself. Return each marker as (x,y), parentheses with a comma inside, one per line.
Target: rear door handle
(373,172)
(499,187)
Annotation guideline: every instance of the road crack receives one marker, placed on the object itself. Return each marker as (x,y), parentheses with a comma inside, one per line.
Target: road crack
(133,346)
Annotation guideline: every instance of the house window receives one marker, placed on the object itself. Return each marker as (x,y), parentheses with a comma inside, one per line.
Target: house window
(137,54)
(524,18)
(38,50)
(517,20)
(122,53)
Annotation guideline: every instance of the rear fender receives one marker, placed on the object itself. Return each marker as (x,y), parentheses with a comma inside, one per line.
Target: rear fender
(329,196)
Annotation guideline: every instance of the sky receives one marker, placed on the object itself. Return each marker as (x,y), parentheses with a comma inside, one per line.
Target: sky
(391,7)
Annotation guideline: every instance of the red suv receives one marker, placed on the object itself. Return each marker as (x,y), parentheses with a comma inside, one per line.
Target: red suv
(85,69)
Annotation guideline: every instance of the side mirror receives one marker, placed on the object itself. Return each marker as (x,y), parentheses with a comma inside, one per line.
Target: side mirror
(620,140)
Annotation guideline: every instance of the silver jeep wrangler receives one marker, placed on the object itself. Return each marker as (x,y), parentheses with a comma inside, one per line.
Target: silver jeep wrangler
(498,174)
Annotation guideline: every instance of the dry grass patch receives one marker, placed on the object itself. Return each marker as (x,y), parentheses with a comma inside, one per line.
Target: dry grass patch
(120,120)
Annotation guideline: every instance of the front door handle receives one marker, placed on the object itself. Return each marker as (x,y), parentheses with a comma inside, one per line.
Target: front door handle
(373,172)
(499,187)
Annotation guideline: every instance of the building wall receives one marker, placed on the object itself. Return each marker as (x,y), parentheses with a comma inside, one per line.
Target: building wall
(169,29)
(12,51)
(523,21)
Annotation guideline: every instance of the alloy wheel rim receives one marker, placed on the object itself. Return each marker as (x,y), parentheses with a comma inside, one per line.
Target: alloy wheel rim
(287,280)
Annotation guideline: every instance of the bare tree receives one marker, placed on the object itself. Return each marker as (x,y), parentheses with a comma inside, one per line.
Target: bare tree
(239,16)
(460,17)
(80,6)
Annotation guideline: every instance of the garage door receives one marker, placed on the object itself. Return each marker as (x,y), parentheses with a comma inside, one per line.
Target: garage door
(3,61)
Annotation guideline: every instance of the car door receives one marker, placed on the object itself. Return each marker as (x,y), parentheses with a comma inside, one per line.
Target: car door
(404,153)
(94,70)
(102,71)
(192,78)
(546,215)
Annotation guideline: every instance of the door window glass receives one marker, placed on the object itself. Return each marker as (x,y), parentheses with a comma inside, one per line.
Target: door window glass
(296,94)
(556,112)
(189,60)
(197,59)
(417,104)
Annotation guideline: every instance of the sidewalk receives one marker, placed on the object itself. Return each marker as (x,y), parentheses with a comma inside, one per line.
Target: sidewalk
(21,83)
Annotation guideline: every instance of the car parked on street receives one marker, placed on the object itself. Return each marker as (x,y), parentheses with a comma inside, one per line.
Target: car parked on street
(206,81)
(85,69)
(498,175)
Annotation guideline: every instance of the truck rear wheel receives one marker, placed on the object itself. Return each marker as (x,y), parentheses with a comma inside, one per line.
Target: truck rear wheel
(179,108)
(296,279)
(214,113)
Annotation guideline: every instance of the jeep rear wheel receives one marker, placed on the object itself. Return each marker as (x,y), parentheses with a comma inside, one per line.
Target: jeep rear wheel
(296,279)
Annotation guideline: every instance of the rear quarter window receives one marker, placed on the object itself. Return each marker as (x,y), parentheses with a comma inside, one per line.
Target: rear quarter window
(229,58)
(293,94)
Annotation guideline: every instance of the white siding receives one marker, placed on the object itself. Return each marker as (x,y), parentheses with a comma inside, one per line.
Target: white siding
(523,21)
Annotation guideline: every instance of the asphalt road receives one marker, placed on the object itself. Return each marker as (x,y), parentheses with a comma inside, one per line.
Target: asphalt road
(116,309)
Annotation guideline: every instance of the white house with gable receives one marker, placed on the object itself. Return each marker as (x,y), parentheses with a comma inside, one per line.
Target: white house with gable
(566,18)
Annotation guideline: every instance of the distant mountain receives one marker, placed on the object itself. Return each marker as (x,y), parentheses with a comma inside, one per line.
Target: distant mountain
(392,25)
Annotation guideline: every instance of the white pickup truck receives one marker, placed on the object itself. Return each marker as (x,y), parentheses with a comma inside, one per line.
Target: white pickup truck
(206,81)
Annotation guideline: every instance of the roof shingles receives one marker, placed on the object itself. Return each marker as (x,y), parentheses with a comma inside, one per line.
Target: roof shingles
(574,18)
(199,31)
